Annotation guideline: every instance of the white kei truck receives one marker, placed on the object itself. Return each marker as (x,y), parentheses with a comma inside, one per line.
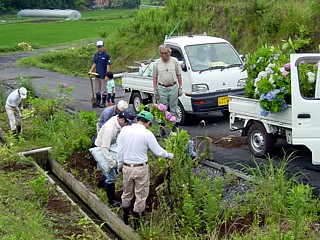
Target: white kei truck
(299,124)
(206,84)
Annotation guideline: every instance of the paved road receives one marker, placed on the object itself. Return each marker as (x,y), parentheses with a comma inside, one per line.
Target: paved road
(216,124)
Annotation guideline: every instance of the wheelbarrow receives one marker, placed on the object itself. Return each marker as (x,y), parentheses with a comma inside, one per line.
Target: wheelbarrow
(93,75)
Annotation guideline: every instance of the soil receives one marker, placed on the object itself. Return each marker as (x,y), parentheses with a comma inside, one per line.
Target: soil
(229,141)
(85,167)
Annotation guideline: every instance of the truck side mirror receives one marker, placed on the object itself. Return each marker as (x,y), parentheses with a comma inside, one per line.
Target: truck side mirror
(183,66)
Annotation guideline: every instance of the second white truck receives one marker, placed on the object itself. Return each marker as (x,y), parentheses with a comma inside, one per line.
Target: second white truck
(206,85)
(299,124)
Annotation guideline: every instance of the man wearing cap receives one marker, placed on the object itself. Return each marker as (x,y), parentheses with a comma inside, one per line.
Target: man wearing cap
(110,112)
(167,81)
(106,139)
(101,63)
(133,144)
(13,110)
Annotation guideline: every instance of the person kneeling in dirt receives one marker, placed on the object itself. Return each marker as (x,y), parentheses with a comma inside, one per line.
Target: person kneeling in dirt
(109,112)
(13,110)
(106,139)
(133,144)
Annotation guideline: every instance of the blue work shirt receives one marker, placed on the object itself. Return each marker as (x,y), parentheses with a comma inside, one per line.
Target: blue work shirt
(106,114)
(101,60)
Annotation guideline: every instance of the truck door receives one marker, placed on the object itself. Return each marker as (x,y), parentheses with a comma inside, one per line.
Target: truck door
(305,87)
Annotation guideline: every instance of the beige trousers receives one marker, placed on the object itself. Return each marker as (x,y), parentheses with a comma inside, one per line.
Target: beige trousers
(135,183)
(14,118)
(100,86)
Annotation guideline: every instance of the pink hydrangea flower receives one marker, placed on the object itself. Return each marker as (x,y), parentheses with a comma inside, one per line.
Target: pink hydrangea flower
(173,119)
(64,85)
(168,115)
(285,73)
(162,107)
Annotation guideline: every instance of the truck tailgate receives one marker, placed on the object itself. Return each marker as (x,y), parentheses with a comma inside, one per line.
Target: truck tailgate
(249,109)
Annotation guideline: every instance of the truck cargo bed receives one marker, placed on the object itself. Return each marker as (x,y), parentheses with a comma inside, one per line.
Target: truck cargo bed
(250,109)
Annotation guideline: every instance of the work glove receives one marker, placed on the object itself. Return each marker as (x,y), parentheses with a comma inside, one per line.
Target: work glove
(156,94)
(170,156)
(180,91)
(120,166)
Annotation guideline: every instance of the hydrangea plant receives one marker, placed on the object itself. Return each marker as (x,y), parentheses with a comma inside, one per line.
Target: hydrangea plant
(269,79)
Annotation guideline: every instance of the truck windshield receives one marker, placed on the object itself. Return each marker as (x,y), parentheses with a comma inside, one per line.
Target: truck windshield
(212,56)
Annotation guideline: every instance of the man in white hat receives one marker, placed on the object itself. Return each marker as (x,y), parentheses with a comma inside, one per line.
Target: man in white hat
(101,64)
(13,110)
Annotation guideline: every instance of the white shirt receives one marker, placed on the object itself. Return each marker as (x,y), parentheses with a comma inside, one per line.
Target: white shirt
(14,99)
(134,142)
(107,136)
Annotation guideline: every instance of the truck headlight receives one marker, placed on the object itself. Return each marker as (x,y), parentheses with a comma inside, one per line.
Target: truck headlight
(241,82)
(200,88)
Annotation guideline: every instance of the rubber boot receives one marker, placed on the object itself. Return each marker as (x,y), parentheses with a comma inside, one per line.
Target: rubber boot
(98,99)
(126,212)
(19,129)
(136,220)
(104,99)
(111,194)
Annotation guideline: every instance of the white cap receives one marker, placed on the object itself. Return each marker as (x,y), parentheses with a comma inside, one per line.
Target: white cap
(23,92)
(99,43)
(122,105)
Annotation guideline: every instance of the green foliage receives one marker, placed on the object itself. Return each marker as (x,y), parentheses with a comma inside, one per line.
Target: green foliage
(39,187)
(3,96)
(28,84)
(52,102)
(90,119)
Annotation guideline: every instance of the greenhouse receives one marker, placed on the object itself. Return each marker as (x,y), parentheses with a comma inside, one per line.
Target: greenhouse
(47,13)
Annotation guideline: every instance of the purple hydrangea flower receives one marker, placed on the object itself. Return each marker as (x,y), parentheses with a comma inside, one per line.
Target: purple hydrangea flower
(287,67)
(162,107)
(65,85)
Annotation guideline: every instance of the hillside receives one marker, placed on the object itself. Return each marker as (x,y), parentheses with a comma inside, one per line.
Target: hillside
(246,24)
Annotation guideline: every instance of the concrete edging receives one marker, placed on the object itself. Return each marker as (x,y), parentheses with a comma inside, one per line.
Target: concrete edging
(101,209)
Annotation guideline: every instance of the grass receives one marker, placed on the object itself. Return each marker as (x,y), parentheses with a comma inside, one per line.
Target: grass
(46,34)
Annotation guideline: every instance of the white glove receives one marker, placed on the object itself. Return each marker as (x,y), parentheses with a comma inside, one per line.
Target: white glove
(180,91)
(170,155)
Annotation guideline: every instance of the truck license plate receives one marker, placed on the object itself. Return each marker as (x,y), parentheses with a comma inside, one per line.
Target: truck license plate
(223,100)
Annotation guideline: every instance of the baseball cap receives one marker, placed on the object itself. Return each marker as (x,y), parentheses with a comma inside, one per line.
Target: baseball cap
(99,43)
(146,115)
(122,105)
(23,92)
(128,114)
(109,75)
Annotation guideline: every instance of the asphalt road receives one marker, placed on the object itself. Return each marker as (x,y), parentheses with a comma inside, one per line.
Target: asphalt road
(215,124)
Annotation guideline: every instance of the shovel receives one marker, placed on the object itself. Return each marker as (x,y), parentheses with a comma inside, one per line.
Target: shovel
(93,100)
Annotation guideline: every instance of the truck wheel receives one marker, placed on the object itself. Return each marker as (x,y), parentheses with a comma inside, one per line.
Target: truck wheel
(260,142)
(136,101)
(182,115)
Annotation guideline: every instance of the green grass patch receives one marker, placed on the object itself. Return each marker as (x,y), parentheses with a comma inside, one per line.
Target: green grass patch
(93,25)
